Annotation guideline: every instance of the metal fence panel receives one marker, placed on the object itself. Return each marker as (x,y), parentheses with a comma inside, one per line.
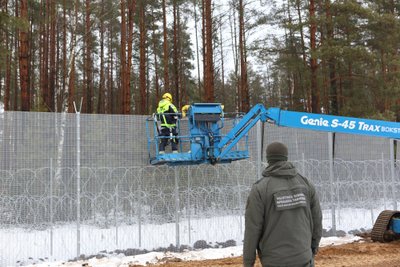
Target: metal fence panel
(124,203)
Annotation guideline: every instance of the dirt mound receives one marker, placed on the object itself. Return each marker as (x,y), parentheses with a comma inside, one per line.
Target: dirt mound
(363,253)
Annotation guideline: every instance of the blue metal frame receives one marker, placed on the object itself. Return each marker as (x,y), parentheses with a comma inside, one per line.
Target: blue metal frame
(241,129)
(205,122)
(209,145)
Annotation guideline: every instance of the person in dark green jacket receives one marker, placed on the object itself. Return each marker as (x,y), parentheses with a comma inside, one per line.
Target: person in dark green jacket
(283,220)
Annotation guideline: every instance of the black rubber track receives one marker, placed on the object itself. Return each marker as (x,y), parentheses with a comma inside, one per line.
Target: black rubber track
(382,225)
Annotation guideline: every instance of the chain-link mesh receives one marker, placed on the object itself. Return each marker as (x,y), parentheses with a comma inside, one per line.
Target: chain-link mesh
(126,203)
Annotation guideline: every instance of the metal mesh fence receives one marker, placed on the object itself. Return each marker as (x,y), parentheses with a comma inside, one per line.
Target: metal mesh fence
(73,184)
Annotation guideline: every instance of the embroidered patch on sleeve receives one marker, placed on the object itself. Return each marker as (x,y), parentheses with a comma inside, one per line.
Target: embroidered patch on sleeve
(290,199)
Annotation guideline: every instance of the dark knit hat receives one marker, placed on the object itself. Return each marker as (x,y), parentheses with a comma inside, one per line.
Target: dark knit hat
(277,151)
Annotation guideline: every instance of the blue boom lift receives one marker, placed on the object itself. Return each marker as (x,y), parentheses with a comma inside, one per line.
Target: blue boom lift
(206,141)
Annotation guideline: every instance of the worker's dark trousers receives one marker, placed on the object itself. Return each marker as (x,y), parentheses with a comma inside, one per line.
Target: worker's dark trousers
(166,132)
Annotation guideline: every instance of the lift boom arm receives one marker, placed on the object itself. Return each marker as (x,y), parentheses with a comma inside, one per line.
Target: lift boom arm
(309,121)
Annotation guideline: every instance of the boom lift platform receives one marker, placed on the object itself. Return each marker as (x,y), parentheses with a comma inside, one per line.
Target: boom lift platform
(206,142)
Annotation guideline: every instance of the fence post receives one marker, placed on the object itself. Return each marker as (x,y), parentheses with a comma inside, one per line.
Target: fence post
(116,215)
(139,214)
(392,173)
(384,182)
(177,206)
(331,178)
(240,206)
(78,179)
(51,210)
(259,147)
(188,205)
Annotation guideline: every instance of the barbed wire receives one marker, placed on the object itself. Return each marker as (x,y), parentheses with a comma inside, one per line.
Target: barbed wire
(28,195)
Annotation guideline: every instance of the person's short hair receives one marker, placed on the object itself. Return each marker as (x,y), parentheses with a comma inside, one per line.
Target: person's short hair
(277,151)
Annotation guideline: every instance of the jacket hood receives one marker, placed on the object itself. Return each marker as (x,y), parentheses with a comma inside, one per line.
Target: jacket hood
(280,169)
(164,103)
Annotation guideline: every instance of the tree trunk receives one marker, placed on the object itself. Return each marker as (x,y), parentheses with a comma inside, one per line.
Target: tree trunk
(44,84)
(235,55)
(181,95)
(100,100)
(209,68)
(306,94)
(59,96)
(243,61)
(123,58)
(87,105)
(222,61)
(71,88)
(203,40)
(333,95)
(197,49)
(176,53)
(71,78)
(111,93)
(127,92)
(52,59)
(31,63)
(8,70)
(142,107)
(64,55)
(16,58)
(289,39)
(3,35)
(156,85)
(8,80)
(23,58)
(303,50)
(165,48)
(42,92)
(315,107)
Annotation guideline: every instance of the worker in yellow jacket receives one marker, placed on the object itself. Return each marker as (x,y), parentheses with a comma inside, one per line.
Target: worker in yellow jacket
(168,116)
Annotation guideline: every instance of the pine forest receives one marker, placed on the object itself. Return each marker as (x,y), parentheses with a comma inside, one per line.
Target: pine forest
(337,57)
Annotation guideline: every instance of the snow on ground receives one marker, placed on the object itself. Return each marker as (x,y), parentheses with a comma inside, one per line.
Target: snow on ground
(157,257)
(54,247)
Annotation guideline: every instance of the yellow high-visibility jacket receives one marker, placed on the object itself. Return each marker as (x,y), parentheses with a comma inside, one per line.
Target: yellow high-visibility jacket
(166,114)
